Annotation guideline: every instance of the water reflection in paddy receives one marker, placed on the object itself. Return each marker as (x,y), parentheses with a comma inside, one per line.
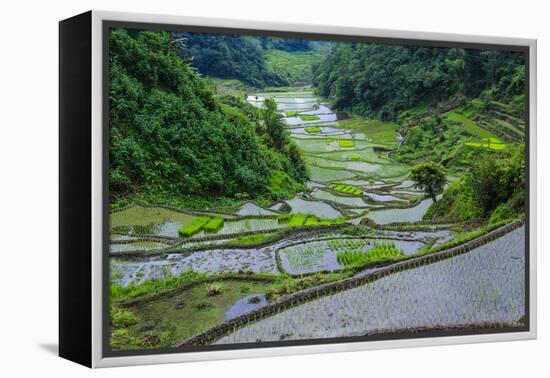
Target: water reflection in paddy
(318,256)
(317,208)
(412,214)
(250,208)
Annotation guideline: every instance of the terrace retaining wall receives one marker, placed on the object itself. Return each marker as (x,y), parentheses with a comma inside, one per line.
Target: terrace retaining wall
(359,279)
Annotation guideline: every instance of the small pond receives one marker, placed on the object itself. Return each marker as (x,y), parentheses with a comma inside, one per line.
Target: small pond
(245,305)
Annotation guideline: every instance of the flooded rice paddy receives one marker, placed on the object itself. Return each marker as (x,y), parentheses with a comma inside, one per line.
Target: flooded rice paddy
(318,255)
(210,261)
(484,285)
(311,256)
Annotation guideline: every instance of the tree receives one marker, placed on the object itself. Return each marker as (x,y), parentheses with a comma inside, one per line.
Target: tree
(273,124)
(429,177)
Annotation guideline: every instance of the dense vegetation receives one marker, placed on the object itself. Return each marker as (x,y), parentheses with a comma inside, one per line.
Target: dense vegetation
(380,81)
(172,137)
(429,177)
(228,56)
(492,188)
(256,61)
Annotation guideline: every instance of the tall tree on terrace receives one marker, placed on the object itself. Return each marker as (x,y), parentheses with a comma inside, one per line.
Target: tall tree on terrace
(429,177)
(274,126)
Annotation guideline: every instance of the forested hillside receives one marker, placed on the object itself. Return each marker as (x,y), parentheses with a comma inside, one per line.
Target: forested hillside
(228,56)
(256,61)
(172,137)
(381,80)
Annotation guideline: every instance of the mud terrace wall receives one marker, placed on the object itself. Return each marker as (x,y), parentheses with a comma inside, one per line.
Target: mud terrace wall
(359,279)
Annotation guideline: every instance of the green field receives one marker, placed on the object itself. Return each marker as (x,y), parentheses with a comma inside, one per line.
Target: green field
(312,129)
(294,66)
(490,143)
(470,125)
(376,130)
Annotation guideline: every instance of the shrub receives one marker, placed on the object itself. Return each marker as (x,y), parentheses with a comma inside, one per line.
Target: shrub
(503,212)
(121,318)
(213,225)
(213,289)
(193,227)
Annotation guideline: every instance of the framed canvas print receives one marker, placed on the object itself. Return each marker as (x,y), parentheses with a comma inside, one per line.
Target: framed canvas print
(233,189)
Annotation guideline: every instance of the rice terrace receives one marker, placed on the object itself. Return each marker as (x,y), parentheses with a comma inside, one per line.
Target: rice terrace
(266,189)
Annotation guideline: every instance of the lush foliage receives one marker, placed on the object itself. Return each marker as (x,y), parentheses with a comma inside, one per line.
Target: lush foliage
(171,137)
(228,56)
(257,61)
(429,177)
(493,187)
(380,80)
(291,66)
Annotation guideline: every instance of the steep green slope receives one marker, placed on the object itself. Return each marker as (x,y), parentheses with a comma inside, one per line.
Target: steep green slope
(493,188)
(173,140)
(229,57)
(381,80)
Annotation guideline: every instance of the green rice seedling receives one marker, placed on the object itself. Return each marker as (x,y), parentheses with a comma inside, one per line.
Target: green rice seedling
(308,117)
(354,157)
(297,220)
(312,129)
(213,225)
(346,143)
(379,252)
(347,189)
(327,222)
(193,227)
(283,218)
(311,220)
(291,113)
